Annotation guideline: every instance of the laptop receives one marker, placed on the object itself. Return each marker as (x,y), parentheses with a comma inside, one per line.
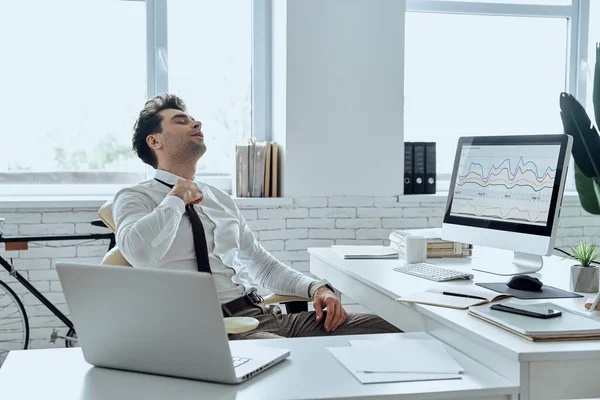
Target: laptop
(157,321)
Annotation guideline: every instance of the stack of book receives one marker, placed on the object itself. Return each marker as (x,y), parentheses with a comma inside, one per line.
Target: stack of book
(436,246)
(257,169)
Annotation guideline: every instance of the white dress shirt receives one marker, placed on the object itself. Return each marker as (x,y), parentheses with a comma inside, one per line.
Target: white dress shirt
(152,230)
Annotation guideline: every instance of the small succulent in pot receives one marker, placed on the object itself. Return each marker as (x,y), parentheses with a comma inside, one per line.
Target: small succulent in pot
(584,277)
(585,253)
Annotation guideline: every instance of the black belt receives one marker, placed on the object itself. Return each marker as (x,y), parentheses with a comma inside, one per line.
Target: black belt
(250,299)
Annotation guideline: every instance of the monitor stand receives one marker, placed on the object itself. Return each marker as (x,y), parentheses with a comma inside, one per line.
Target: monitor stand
(523,263)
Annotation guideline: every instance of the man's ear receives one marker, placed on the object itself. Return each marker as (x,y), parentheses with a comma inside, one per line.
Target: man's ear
(154,141)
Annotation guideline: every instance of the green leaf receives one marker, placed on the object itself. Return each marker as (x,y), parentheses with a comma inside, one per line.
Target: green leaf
(596,88)
(589,192)
(586,141)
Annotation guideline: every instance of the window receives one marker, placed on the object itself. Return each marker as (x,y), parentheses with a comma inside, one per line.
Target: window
(486,68)
(210,68)
(588,67)
(73,77)
(541,2)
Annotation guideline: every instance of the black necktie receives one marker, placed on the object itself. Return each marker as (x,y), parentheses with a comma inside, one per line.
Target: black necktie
(199,236)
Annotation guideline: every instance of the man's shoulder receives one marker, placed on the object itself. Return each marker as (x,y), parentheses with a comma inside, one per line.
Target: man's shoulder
(144,190)
(220,195)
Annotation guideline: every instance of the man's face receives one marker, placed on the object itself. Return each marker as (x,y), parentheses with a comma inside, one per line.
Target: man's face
(181,138)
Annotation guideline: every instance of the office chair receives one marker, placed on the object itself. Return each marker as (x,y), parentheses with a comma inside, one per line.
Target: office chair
(293,304)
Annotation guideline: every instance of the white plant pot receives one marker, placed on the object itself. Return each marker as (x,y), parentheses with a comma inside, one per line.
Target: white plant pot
(584,279)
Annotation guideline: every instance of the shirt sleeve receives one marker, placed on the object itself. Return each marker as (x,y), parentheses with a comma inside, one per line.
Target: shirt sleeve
(266,270)
(144,233)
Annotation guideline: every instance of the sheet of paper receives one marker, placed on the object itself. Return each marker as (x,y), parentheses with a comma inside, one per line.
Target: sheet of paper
(345,357)
(416,356)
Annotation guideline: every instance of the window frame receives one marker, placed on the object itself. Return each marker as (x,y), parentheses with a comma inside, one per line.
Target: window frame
(158,72)
(577,15)
(157,69)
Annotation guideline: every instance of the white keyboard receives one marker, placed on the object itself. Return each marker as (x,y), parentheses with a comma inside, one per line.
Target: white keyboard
(237,361)
(433,272)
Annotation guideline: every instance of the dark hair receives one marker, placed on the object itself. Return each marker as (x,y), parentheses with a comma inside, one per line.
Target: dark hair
(148,122)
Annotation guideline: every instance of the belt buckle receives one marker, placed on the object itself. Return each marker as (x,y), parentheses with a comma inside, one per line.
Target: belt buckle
(254,298)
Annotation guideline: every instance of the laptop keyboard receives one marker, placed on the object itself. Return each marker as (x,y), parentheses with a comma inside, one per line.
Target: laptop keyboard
(237,361)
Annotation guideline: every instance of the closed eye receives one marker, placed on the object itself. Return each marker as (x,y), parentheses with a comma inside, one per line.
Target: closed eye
(181,119)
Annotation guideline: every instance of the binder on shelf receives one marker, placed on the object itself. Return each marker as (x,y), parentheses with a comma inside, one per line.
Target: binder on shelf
(430,168)
(267,186)
(275,166)
(418,167)
(408,168)
(242,161)
(257,169)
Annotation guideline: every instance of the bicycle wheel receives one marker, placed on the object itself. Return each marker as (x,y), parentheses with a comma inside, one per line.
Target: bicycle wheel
(71,342)
(14,325)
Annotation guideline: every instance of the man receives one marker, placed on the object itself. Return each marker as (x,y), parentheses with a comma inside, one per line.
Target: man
(157,227)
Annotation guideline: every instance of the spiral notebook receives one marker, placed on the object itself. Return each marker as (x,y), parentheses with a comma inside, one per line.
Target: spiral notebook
(365,252)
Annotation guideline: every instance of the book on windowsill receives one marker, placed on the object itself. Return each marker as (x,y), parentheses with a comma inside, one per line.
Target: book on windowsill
(365,252)
(457,296)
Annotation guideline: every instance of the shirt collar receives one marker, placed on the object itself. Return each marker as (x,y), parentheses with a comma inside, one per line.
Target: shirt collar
(172,178)
(166,176)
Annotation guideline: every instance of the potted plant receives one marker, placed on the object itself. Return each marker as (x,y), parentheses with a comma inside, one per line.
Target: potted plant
(584,276)
(584,129)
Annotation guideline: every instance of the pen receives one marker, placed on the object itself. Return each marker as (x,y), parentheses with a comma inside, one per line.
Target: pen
(595,303)
(463,295)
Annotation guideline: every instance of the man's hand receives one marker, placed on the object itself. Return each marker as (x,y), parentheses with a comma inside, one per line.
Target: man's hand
(188,191)
(336,315)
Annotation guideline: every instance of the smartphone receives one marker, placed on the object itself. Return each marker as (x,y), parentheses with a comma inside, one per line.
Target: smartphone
(531,310)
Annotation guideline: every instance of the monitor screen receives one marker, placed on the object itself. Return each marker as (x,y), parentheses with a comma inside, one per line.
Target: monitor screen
(507,183)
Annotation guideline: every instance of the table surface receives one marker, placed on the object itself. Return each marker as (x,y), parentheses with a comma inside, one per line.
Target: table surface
(380,275)
(310,372)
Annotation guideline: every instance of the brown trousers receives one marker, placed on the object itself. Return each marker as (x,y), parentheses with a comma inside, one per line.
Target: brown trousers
(274,324)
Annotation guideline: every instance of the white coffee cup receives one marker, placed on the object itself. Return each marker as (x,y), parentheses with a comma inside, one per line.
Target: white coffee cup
(416,249)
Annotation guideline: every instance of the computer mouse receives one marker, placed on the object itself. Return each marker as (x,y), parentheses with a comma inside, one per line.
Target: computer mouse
(525,282)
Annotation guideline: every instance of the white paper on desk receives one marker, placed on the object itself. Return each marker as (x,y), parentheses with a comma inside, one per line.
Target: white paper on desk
(415,356)
(345,357)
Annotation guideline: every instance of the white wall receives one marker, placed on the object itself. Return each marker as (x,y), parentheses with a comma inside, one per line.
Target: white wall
(285,231)
(343,97)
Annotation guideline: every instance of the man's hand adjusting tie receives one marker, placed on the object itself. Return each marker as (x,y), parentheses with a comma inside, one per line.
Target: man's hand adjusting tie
(188,191)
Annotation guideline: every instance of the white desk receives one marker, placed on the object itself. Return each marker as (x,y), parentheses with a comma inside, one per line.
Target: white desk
(310,372)
(542,370)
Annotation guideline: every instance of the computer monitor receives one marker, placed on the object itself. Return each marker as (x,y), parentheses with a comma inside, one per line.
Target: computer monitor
(506,193)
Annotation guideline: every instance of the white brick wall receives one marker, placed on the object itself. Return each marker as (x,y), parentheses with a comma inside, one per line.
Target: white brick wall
(286,231)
